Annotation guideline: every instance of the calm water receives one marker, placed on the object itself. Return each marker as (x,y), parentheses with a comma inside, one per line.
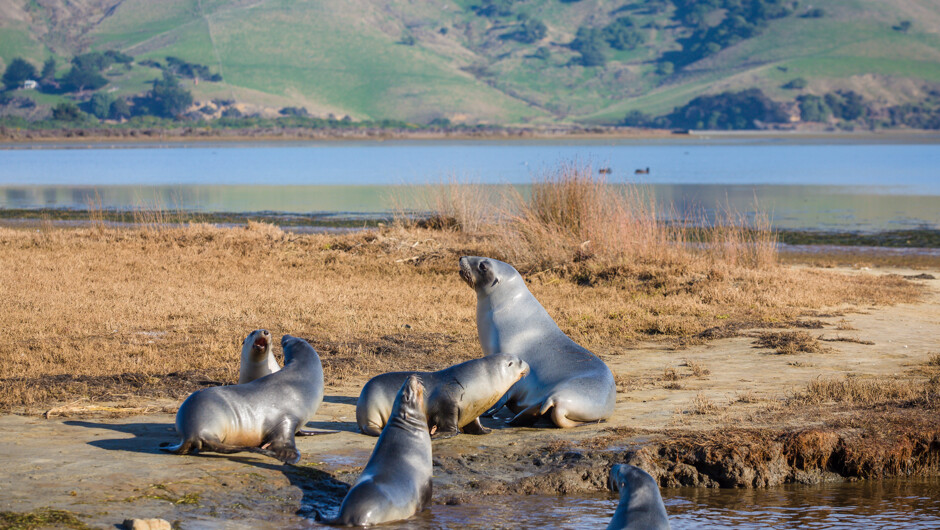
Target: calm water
(836,184)
(910,504)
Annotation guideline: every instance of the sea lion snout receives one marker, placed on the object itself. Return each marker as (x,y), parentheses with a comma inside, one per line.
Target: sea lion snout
(465,271)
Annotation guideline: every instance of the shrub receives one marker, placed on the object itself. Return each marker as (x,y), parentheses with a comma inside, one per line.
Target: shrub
(17,71)
(67,111)
(796,84)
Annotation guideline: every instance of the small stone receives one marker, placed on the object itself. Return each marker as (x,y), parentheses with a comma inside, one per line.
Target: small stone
(147,524)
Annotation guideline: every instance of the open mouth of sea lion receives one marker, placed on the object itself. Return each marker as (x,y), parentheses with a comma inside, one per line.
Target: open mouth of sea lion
(465,272)
(261,343)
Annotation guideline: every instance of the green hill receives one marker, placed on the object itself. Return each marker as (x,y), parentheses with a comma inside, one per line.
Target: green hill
(489,61)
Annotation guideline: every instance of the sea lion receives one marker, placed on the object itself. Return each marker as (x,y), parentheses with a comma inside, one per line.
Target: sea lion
(260,416)
(396,483)
(257,359)
(641,506)
(565,380)
(454,398)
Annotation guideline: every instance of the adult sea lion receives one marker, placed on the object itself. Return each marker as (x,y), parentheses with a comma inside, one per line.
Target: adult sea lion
(454,397)
(396,483)
(257,358)
(260,416)
(565,380)
(641,506)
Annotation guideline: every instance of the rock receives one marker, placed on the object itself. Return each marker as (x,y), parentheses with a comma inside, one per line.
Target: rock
(147,524)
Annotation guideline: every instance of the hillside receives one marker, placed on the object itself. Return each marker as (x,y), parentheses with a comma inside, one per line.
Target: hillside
(485,61)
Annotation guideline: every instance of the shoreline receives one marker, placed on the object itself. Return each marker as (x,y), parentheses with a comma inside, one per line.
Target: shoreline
(10,138)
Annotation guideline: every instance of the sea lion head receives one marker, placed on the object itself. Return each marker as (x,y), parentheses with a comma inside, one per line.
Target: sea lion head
(624,477)
(486,275)
(508,369)
(257,344)
(409,404)
(295,347)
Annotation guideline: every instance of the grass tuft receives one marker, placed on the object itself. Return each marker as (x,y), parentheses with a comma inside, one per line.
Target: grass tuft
(790,342)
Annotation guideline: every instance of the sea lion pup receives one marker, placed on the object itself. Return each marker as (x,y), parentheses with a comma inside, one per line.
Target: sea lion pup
(260,416)
(641,506)
(454,397)
(396,483)
(565,381)
(257,358)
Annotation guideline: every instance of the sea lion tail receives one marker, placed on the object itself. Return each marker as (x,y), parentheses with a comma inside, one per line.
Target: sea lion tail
(547,404)
(560,409)
(183,448)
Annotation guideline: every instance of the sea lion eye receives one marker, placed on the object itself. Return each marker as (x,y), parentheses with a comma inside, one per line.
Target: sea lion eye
(510,363)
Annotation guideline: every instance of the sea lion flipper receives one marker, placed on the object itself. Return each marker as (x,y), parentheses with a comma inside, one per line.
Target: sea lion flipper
(304,432)
(183,448)
(526,417)
(475,427)
(280,444)
(495,408)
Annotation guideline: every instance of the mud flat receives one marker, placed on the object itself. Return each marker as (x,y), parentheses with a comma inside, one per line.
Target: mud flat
(860,402)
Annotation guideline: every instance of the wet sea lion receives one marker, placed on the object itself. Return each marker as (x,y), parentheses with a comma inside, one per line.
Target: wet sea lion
(565,381)
(641,505)
(260,416)
(257,359)
(454,397)
(396,483)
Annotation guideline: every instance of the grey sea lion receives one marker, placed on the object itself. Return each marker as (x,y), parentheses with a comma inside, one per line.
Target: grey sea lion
(566,381)
(641,505)
(396,483)
(260,416)
(454,397)
(257,359)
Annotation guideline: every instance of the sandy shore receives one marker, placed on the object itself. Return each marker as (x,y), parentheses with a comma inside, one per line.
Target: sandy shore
(110,468)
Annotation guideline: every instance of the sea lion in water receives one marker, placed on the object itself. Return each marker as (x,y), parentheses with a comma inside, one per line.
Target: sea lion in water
(641,505)
(396,483)
(454,397)
(565,379)
(260,416)
(257,359)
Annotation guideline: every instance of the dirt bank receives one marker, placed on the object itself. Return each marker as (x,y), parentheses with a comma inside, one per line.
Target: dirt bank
(723,413)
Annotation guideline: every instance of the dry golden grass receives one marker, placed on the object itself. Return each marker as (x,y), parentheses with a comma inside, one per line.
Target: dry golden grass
(790,342)
(866,392)
(698,369)
(113,314)
(702,405)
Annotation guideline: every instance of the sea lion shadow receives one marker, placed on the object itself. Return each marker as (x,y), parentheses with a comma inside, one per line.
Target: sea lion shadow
(147,436)
(322,492)
(342,400)
(333,425)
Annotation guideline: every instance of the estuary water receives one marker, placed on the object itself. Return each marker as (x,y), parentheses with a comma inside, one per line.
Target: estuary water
(897,503)
(828,184)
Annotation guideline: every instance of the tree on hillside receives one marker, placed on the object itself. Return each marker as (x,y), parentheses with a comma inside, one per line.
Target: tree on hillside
(531,30)
(589,42)
(18,71)
(79,80)
(100,105)
(729,110)
(622,35)
(813,108)
(119,110)
(167,98)
(67,111)
(47,77)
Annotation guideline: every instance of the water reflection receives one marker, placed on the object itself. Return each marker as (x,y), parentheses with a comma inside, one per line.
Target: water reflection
(897,503)
(806,207)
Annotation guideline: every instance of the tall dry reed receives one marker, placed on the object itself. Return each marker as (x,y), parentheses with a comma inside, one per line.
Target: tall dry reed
(570,215)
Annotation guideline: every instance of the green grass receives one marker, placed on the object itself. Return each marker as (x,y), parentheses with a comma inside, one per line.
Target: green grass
(16,41)
(346,58)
